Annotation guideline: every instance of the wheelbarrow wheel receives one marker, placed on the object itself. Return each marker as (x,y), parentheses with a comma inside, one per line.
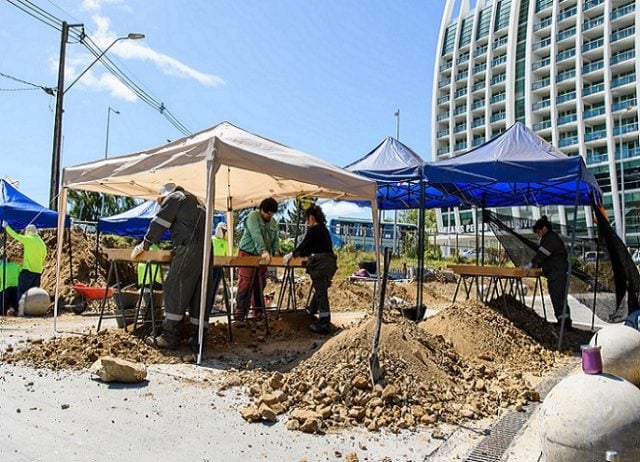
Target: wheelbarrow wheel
(62,305)
(79,304)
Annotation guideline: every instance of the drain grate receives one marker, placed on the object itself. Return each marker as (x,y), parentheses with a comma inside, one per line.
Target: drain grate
(493,446)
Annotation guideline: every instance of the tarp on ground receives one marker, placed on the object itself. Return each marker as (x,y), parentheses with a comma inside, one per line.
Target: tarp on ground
(225,166)
(398,173)
(133,222)
(518,167)
(19,210)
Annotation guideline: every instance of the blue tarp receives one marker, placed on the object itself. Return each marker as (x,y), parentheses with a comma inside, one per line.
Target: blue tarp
(133,223)
(19,211)
(397,171)
(518,167)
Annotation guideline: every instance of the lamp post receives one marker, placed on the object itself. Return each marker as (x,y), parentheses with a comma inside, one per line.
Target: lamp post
(106,143)
(623,222)
(57,128)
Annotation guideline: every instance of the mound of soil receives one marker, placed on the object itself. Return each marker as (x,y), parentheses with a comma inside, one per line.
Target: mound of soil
(79,352)
(426,382)
(481,334)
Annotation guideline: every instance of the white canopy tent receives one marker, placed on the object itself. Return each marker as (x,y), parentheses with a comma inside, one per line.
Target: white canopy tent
(227,168)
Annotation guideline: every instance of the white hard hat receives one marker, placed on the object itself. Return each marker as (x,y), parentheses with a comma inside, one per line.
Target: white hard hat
(31,229)
(220,228)
(167,189)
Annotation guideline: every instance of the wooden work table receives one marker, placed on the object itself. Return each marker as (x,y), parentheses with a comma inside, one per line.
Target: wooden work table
(495,281)
(165,256)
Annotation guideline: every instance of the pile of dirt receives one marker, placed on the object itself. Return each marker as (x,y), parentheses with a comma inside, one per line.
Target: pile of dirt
(426,382)
(80,351)
(481,334)
(542,332)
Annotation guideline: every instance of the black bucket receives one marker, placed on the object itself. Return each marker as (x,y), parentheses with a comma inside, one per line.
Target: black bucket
(369,266)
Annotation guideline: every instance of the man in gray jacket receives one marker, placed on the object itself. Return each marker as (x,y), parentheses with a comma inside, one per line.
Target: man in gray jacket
(184,216)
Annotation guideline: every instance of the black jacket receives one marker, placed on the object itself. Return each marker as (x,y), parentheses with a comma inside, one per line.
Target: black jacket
(551,255)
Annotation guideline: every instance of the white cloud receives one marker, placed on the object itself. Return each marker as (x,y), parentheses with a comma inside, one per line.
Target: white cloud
(103,82)
(335,209)
(129,50)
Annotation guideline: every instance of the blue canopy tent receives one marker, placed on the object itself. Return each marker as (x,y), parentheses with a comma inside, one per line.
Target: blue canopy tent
(133,222)
(19,211)
(518,167)
(400,185)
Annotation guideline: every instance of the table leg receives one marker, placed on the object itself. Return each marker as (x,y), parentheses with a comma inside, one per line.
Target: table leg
(227,305)
(104,299)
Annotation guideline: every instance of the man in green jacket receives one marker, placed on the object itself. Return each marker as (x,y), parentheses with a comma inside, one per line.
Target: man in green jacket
(260,237)
(9,272)
(35,253)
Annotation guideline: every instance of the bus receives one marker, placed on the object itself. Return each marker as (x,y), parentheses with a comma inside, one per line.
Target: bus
(358,232)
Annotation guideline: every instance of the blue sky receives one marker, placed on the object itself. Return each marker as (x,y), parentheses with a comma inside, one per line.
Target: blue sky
(322,76)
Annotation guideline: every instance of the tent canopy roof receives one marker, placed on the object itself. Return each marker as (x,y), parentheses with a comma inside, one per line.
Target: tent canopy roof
(247,169)
(397,171)
(19,211)
(518,167)
(133,222)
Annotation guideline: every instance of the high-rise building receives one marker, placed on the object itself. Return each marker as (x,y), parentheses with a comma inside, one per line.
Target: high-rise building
(565,68)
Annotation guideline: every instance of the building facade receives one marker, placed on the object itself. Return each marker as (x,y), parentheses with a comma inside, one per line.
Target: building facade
(565,68)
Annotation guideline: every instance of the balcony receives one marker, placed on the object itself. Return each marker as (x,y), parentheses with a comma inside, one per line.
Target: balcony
(623,33)
(445,66)
(500,42)
(542,125)
(568,141)
(499,60)
(566,34)
(567,119)
(565,55)
(463,58)
(592,45)
(593,89)
(479,68)
(591,4)
(462,75)
(461,92)
(442,133)
(442,116)
(442,151)
(623,11)
(565,75)
(497,98)
(541,63)
(460,146)
(498,117)
(478,141)
(477,104)
(499,78)
(542,43)
(595,135)
(478,122)
(478,86)
(626,128)
(542,5)
(566,97)
(624,56)
(541,84)
(460,110)
(443,99)
(620,81)
(619,106)
(597,158)
(541,104)
(593,112)
(543,24)
(480,51)
(460,128)
(444,83)
(594,66)
(595,22)
(567,14)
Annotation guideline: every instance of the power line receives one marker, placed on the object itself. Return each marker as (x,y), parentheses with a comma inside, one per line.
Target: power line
(47,18)
(48,90)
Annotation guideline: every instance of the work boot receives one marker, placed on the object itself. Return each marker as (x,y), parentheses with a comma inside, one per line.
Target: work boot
(161,342)
(322,329)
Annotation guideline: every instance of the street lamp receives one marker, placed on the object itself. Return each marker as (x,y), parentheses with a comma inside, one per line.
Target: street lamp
(106,143)
(57,128)
(623,222)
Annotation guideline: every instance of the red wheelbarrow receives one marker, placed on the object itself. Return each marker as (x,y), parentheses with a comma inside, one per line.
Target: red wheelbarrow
(86,295)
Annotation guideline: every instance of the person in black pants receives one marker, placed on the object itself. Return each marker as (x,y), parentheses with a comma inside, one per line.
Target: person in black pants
(182,213)
(321,266)
(551,256)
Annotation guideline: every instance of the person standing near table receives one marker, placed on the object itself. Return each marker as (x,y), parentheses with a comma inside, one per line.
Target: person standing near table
(552,256)
(220,249)
(35,253)
(321,266)
(9,287)
(184,216)
(260,238)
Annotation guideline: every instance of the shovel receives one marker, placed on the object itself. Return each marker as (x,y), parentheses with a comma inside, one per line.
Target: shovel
(374,363)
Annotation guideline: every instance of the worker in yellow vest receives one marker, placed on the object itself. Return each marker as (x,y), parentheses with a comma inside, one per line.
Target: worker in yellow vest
(9,273)
(152,281)
(35,253)
(220,249)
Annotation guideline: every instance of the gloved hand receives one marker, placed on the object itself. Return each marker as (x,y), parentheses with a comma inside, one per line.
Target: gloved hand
(265,258)
(287,258)
(137,250)
(4,223)
(528,266)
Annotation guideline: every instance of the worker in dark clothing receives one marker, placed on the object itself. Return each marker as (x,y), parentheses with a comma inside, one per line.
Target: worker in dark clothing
(321,266)
(551,256)
(184,216)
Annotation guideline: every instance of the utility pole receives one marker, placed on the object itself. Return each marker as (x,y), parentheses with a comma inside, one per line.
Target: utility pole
(57,128)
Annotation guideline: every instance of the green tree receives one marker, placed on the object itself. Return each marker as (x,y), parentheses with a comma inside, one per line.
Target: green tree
(90,206)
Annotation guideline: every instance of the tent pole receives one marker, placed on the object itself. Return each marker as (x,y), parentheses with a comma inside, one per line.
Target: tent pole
(207,251)
(71,255)
(482,241)
(96,251)
(62,209)
(4,270)
(595,287)
(421,220)
(566,287)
